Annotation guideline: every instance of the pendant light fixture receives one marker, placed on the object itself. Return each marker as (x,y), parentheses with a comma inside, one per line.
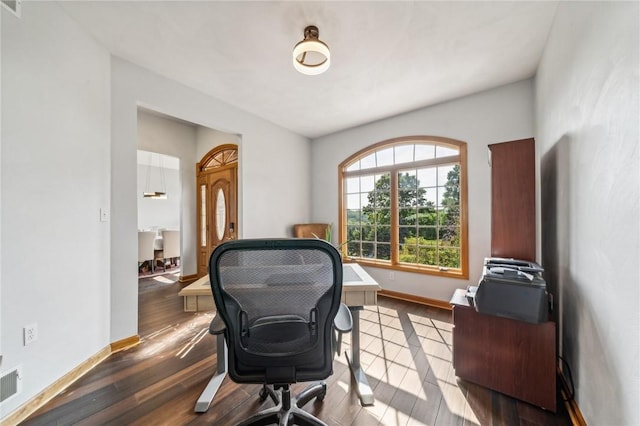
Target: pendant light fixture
(162,193)
(311,56)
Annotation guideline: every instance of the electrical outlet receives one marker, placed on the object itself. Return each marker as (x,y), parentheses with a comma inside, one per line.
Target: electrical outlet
(30,333)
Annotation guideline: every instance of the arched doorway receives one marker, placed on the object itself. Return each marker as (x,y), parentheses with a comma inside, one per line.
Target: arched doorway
(217,201)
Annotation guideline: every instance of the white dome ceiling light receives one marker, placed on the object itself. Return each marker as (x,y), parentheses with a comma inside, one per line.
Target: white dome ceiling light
(311,56)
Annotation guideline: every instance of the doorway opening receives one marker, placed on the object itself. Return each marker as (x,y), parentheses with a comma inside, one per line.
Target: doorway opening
(159,209)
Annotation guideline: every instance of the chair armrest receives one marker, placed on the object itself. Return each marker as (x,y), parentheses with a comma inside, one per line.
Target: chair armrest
(216,326)
(343,322)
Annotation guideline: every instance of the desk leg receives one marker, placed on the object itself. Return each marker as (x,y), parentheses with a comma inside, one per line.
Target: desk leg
(362,384)
(207,395)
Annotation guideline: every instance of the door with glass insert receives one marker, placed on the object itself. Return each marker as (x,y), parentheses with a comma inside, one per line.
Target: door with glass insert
(217,208)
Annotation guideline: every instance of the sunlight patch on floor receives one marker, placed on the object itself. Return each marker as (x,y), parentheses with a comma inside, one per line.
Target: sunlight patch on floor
(183,335)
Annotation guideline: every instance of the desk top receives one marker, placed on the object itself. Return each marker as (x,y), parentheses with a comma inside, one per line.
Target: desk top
(355,278)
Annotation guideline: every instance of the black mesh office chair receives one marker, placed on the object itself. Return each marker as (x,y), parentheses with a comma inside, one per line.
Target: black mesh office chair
(278,299)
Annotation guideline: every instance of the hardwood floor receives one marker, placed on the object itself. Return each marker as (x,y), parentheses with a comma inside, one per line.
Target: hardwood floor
(406,352)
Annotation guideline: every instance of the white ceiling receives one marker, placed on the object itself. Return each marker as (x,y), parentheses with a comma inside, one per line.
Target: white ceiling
(386,57)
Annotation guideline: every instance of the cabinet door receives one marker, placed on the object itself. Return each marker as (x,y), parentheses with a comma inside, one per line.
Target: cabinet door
(509,356)
(513,214)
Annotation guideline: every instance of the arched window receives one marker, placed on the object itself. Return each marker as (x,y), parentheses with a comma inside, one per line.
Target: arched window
(404,206)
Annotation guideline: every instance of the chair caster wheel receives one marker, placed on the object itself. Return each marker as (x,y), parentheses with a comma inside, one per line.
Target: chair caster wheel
(263,394)
(323,393)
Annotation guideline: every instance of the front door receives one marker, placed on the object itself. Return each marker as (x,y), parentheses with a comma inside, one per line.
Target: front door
(217,177)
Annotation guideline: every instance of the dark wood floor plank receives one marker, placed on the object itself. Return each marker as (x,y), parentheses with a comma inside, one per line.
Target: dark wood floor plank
(406,355)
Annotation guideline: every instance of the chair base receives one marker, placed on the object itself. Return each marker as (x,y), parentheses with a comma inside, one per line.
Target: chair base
(288,411)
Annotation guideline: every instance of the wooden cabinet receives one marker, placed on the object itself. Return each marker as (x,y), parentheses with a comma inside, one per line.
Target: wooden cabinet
(513,214)
(512,357)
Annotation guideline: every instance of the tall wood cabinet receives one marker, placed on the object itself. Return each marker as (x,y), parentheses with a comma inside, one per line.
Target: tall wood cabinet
(513,357)
(513,214)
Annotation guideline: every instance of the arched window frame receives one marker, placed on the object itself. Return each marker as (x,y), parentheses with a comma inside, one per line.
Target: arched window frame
(346,170)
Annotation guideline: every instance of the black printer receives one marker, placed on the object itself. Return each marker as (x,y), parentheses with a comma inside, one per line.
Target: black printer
(513,289)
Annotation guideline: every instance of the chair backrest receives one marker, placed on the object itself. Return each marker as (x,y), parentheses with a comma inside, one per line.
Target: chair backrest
(170,244)
(145,245)
(278,299)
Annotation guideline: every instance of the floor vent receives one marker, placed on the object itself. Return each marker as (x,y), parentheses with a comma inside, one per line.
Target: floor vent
(10,384)
(12,5)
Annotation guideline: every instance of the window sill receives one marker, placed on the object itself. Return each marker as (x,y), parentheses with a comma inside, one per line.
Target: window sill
(452,273)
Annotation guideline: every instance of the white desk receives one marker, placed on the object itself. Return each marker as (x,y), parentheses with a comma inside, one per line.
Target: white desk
(358,290)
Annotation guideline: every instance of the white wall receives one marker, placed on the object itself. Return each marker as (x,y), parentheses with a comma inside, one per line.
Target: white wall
(273,172)
(498,115)
(587,96)
(55,165)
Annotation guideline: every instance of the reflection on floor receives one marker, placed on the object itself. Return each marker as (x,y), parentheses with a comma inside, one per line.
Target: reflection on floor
(150,282)
(145,273)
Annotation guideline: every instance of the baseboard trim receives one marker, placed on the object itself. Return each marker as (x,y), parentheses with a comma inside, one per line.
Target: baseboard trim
(571,405)
(416,299)
(187,278)
(31,406)
(125,343)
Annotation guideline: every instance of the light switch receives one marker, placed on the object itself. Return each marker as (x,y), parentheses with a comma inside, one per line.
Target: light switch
(104,215)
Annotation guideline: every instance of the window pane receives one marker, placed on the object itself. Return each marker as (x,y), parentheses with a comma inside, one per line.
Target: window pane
(424,152)
(449,216)
(449,236)
(221,214)
(427,177)
(384,157)
(427,216)
(203,215)
(449,258)
(383,217)
(407,198)
(383,234)
(430,195)
(446,174)
(445,151)
(407,179)
(428,256)
(368,233)
(368,250)
(368,162)
(383,252)
(408,216)
(353,248)
(354,166)
(404,154)
(353,201)
(353,185)
(367,183)
(427,234)
(383,182)
(354,217)
(408,253)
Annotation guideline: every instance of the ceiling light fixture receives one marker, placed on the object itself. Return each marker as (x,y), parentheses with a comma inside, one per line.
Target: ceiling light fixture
(158,195)
(311,56)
